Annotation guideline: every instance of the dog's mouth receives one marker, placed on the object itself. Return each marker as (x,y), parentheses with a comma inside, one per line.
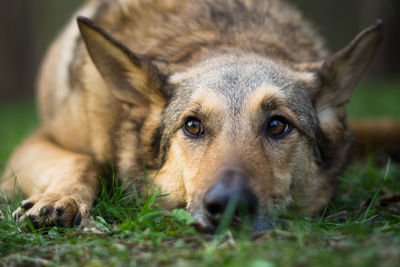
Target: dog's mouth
(256,224)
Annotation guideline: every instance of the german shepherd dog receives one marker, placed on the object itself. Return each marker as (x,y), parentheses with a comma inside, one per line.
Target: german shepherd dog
(214,101)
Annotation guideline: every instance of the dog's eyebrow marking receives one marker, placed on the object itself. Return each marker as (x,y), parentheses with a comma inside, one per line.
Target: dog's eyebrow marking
(194,109)
(271,98)
(265,96)
(205,104)
(270,102)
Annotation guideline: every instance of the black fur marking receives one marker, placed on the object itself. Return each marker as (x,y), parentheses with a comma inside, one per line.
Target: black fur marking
(164,146)
(156,144)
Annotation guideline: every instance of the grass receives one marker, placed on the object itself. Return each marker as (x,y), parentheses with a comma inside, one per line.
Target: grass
(360,227)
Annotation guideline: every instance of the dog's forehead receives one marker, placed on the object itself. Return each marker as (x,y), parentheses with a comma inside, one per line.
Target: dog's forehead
(234,80)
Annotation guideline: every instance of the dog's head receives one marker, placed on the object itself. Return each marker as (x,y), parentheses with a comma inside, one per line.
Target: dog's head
(236,130)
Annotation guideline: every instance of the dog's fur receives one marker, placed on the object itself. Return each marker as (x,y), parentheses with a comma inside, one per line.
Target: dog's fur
(232,64)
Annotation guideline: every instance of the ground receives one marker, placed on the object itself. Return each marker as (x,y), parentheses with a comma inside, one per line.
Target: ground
(360,227)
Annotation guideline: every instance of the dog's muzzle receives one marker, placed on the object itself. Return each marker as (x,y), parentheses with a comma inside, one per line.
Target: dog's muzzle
(231,194)
(231,201)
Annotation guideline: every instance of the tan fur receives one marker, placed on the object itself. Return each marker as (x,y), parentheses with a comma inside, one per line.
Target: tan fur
(231,64)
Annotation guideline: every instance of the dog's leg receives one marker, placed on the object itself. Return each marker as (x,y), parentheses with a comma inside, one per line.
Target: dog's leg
(61,185)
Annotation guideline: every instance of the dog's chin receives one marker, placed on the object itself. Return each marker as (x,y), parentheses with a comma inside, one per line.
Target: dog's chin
(201,223)
(260,223)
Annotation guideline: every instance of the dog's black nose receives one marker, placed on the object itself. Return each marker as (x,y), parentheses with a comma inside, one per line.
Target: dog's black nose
(230,194)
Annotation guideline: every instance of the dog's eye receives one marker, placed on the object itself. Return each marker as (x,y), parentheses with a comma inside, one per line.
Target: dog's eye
(278,127)
(193,128)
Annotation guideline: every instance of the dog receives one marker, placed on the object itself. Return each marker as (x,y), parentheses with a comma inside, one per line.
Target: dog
(214,102)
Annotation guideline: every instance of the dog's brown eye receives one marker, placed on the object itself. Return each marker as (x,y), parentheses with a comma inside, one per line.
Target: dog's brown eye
(193,128)
(278,127)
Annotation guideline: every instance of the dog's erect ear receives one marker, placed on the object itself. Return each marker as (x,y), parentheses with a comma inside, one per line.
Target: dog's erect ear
(337,76)
(131,78)
(341,72)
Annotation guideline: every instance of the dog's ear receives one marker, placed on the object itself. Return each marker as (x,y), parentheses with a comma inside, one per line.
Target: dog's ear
(341,72)
(336,78)
(132,78)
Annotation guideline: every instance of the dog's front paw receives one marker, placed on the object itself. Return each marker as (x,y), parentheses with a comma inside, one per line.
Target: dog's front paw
(51,210)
